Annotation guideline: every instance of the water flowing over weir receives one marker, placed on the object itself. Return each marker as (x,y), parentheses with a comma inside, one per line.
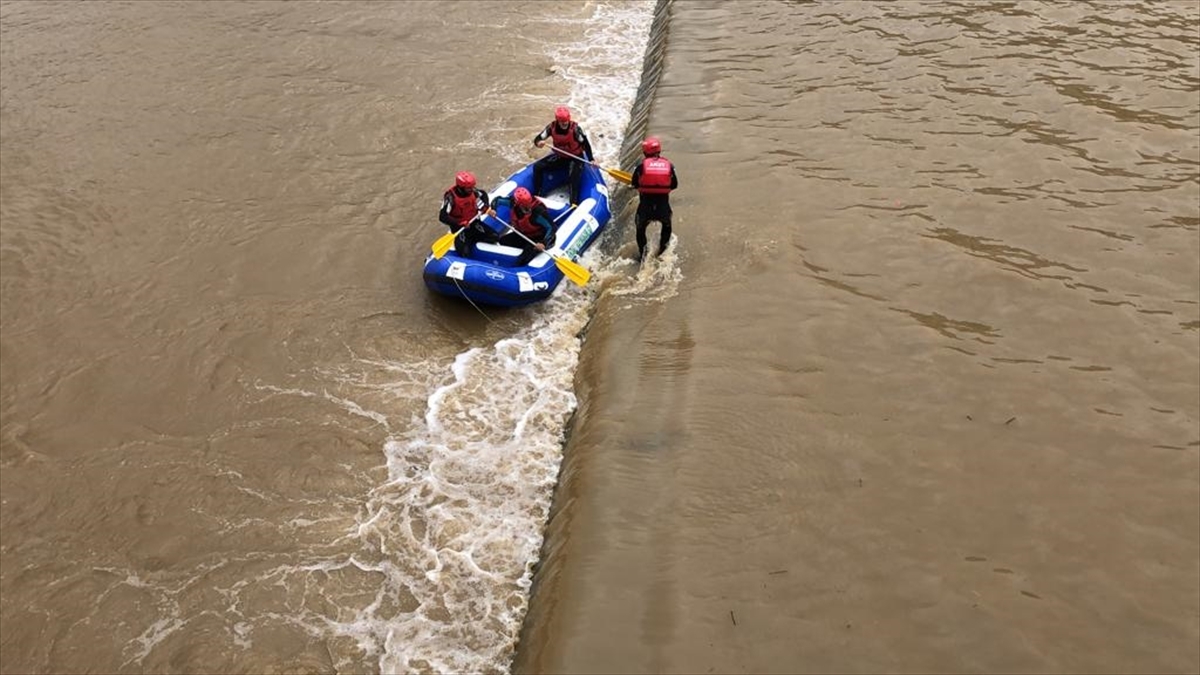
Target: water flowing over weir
(470,487)
(550,566)
(940,416)
(237,434)
(807,459)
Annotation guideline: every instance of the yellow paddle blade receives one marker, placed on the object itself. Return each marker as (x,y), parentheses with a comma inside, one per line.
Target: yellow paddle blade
(574,271)
(623,176)
(443,244)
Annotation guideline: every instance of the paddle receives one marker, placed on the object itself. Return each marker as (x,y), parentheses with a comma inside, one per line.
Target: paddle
(623,176)
(443,244)
(574,271)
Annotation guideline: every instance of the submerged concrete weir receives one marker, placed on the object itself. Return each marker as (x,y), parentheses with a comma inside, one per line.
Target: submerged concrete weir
(550,567)
(639,121)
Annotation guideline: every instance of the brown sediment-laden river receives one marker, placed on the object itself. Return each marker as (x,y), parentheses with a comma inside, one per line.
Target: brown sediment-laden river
(916,388)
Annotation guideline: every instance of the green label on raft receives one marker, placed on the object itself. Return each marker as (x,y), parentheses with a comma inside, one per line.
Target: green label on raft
(585,232)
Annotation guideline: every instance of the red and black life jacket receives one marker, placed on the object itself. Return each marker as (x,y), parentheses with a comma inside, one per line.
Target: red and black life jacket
(565,140)
(463,209)
(524,223)
(656,176)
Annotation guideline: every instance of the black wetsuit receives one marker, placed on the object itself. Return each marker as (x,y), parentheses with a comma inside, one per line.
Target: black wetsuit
(554,159)
(653,207)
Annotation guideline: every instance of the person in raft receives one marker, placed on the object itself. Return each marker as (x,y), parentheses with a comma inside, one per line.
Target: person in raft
(529,217)
(567,136)
(654,179)
(461,205)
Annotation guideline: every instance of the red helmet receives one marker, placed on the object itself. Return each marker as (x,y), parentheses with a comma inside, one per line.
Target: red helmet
(522,197)
(651,146)
(464,179)
(562,114)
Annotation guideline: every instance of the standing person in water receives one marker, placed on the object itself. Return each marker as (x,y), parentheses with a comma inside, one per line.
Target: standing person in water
(529,217)
(567,136)
(654,179)
(461,205)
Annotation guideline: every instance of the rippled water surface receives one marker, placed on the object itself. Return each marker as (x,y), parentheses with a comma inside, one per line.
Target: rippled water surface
(918,388)
(236,433)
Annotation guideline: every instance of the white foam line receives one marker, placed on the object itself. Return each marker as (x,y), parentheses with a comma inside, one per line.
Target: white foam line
(604,71)
(156,633)
(349,406)
(456,529)
(355,409)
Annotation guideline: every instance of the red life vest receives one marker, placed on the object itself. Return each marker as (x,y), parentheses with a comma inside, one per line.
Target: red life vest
(524,224)
(463,209)
(565,140)
(656,176)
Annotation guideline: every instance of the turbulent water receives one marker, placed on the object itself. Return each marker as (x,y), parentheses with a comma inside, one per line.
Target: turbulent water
(918,387)
(915,388)
(238,433)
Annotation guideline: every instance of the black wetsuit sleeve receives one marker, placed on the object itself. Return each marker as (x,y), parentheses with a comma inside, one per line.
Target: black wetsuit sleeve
(444,212)
(637,176)
(542,136)
(674,178)
(583,141)
(542,217)
(482,199)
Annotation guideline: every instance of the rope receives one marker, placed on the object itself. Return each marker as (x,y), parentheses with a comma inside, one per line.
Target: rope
(468,299)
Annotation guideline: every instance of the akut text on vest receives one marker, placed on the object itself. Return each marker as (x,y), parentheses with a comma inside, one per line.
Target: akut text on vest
(656,176)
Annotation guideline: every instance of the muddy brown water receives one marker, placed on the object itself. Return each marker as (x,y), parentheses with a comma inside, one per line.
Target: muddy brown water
(915,389)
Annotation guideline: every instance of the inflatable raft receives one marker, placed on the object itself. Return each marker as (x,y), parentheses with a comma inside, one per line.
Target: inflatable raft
(488,274)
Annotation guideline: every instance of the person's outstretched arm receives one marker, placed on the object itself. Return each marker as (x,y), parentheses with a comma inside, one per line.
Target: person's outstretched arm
(444,213)
(583,141)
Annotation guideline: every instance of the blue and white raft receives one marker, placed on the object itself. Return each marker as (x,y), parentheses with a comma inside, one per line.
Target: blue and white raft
(489,276)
